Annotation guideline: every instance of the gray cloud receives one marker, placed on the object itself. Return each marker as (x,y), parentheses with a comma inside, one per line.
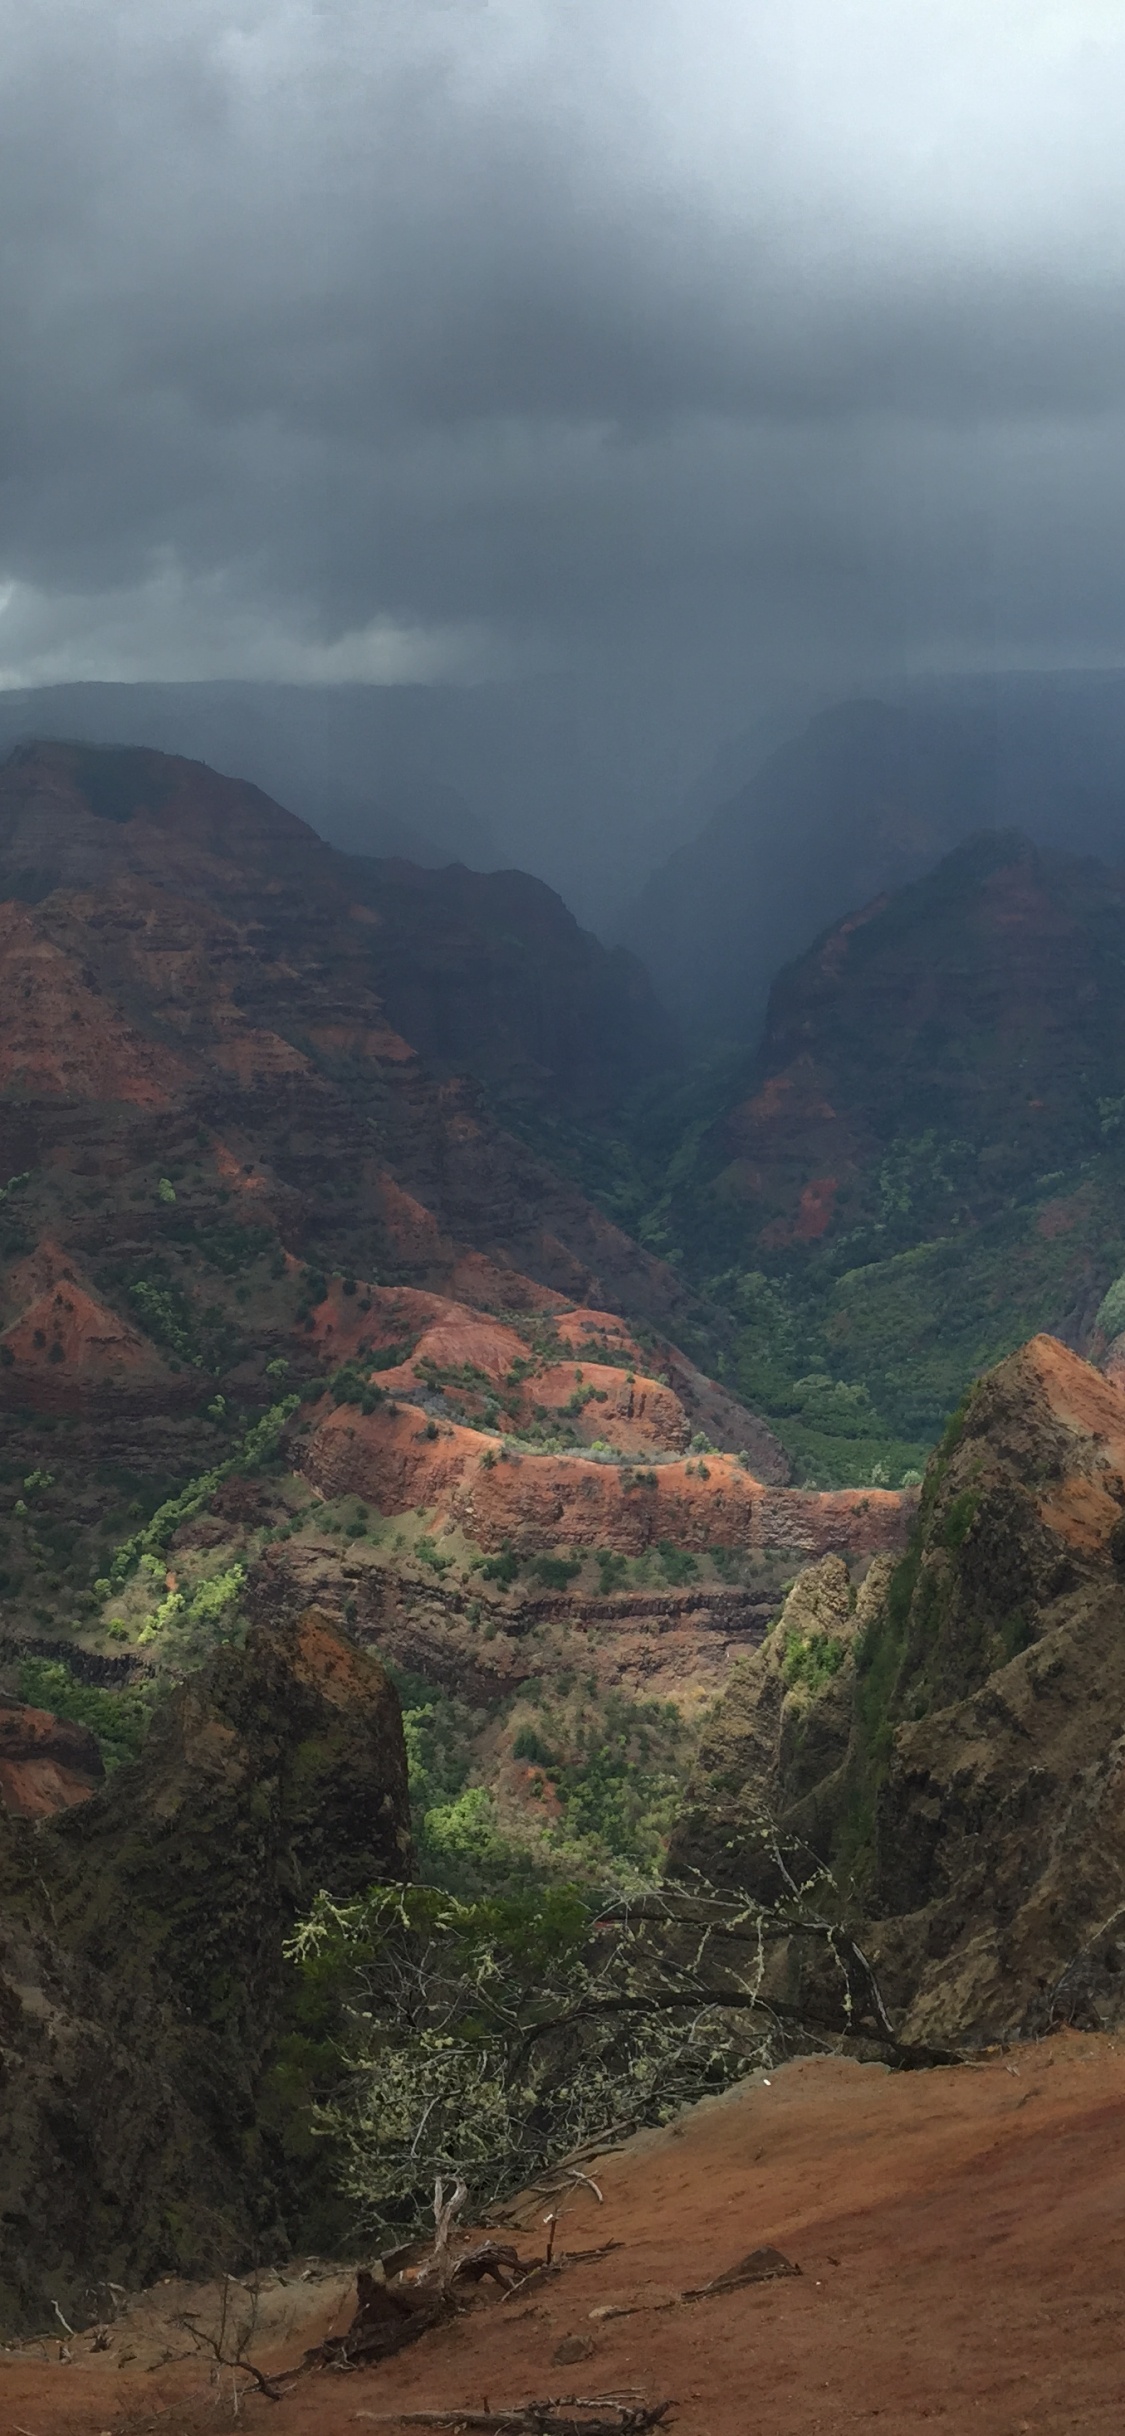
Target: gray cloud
(699,346)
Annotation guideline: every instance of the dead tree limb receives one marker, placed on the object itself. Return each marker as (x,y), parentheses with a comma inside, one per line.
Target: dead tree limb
(227,2343)
(601,2415)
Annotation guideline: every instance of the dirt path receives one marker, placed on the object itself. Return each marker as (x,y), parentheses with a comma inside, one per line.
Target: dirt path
(961,2239)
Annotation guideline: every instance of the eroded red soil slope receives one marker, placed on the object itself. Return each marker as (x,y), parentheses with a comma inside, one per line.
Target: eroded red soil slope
(961,2247)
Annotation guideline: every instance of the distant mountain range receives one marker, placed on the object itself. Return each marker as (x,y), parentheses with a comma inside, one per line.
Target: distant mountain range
(923,1162)
(714,866)
(540,775)
(870,795)
(354,760)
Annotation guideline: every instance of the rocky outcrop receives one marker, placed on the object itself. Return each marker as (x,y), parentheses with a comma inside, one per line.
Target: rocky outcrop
(959,1762)
(143,1984)
(47,1763)
(772,1752)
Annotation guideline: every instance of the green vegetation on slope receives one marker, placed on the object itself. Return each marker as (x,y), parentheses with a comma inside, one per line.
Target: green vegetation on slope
(258,1447)
(561,1782)
(857,1347)
(119,1719)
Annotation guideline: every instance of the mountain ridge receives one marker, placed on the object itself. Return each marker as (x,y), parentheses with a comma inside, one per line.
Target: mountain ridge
(870,794)
(919,1166)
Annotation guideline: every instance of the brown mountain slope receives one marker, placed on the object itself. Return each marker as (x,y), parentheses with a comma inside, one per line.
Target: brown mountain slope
(923,1165)
(208,955)
(46,1763)
(482,972)
(982,1008)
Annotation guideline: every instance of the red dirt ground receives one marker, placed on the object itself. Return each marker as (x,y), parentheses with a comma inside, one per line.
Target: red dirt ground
(960,2235)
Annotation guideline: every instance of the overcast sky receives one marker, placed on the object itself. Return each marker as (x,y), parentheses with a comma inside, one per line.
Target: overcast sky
(760,342)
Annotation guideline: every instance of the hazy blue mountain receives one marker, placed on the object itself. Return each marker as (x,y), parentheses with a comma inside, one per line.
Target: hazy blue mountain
(544,774)
(341,756)
(870,795)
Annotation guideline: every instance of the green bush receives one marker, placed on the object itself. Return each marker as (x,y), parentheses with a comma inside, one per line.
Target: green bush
(530,1745)
(503,1568)
(350,1385)
(1111,1312)
(488,2038)
(556,1572)
(677,1565)
(165,1313)
(120,1720)
(812,1660)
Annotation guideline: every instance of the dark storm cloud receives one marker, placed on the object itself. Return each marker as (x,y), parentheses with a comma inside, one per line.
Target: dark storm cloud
(407,338)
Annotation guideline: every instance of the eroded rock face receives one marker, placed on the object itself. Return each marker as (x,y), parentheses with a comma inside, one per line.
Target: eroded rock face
(143,1985)
(398,1461)
(46,1762)
(770,1758)
(651,1643)
(963,1765)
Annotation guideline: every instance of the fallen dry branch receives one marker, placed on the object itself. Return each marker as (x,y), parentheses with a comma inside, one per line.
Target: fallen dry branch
(758,2267)
(392,2311)
(566,2172)
(497,2260)
(387,2317)
(227,2340)
(542,2269)
(561,2415)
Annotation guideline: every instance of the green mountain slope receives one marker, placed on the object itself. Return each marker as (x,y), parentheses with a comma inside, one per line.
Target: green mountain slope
(922,1165)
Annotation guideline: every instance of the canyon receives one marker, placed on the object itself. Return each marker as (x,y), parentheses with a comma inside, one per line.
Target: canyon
(373,1502)
(234,1181)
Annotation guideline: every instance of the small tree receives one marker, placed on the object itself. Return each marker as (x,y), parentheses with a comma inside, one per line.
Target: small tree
(488,2039)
